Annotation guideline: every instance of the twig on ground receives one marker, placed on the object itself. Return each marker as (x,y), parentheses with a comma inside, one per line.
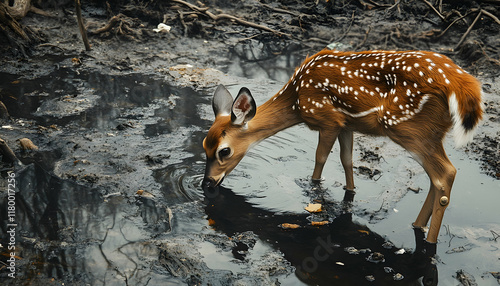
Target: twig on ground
(365,38)
(434,9)
(495,235)
(495,18)
(50,45)
(7,153)
(453,23)
(223,16)
(348,29)
(111,23)
(81,26)
(468,30)
(184,26)
(278,10)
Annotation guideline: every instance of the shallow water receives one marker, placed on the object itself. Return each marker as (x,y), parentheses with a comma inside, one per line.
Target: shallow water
(79,217)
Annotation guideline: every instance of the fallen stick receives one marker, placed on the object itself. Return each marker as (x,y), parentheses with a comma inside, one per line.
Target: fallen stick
(491,16)
(469,29)
(453,23)
(81,26)
(434,9)
(229,17)
(111,23)
(8,155)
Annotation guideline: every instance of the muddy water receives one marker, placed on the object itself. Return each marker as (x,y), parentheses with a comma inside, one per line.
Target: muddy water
(104,137)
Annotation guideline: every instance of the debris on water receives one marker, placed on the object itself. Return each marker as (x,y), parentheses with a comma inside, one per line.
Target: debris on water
(355,251)
(496,275)
(462,248)
(388,245)
(376,257)
(145,194)
(313,208)
(373,174)
(364,231)
(123,126)
(340,263)
(388,269)
(289,225)
(415,190)
(370,278)
(351,250)
(399,252)
(465,278)
(398,277)
(27,144)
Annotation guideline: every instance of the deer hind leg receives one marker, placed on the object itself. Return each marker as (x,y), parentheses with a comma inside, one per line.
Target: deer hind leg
(326,140)
(346,144)
(442,174)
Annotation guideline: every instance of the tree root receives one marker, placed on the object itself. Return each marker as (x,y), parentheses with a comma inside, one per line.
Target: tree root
(224,16)
(8,154)
(121,24)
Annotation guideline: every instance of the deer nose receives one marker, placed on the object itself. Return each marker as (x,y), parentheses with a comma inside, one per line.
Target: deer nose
(207,183)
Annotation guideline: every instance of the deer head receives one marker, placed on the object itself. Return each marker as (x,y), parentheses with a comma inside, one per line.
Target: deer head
(227,140)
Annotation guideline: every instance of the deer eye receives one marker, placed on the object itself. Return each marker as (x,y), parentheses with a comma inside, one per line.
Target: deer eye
(224,152)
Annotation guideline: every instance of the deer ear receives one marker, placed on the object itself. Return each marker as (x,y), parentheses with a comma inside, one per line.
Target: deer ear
(222,101)
(244,107)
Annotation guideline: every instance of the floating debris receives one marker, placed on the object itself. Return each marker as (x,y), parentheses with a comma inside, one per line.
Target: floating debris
(465,278)
(399,252)
(145,194)
(376,257)
(364,231)
(388,269)
(370,278)
(340,263)
(388,245)
(398,277)
(353,250)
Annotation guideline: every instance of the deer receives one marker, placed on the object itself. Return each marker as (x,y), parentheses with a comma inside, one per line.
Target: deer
(412,97)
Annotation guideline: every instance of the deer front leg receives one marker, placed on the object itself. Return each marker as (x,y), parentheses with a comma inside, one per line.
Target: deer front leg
(326,140)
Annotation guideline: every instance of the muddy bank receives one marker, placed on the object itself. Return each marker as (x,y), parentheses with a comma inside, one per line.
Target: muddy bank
(112,195)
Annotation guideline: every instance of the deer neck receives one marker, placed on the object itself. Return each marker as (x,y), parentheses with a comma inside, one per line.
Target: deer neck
(277,114)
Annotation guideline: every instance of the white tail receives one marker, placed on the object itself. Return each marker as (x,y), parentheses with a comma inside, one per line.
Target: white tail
(413,97)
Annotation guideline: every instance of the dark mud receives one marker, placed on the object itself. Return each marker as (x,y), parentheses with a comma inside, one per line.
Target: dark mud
(112,195)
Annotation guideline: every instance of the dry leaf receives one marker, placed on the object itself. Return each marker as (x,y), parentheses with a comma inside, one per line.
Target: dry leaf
(364,231)
(145,194)
(289,225)
(313,208)
(317,223)
(26,144)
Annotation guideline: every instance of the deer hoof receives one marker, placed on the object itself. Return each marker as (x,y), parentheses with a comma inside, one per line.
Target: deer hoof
(430,275)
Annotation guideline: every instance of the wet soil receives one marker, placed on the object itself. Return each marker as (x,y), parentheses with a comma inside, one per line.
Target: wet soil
(112,195)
